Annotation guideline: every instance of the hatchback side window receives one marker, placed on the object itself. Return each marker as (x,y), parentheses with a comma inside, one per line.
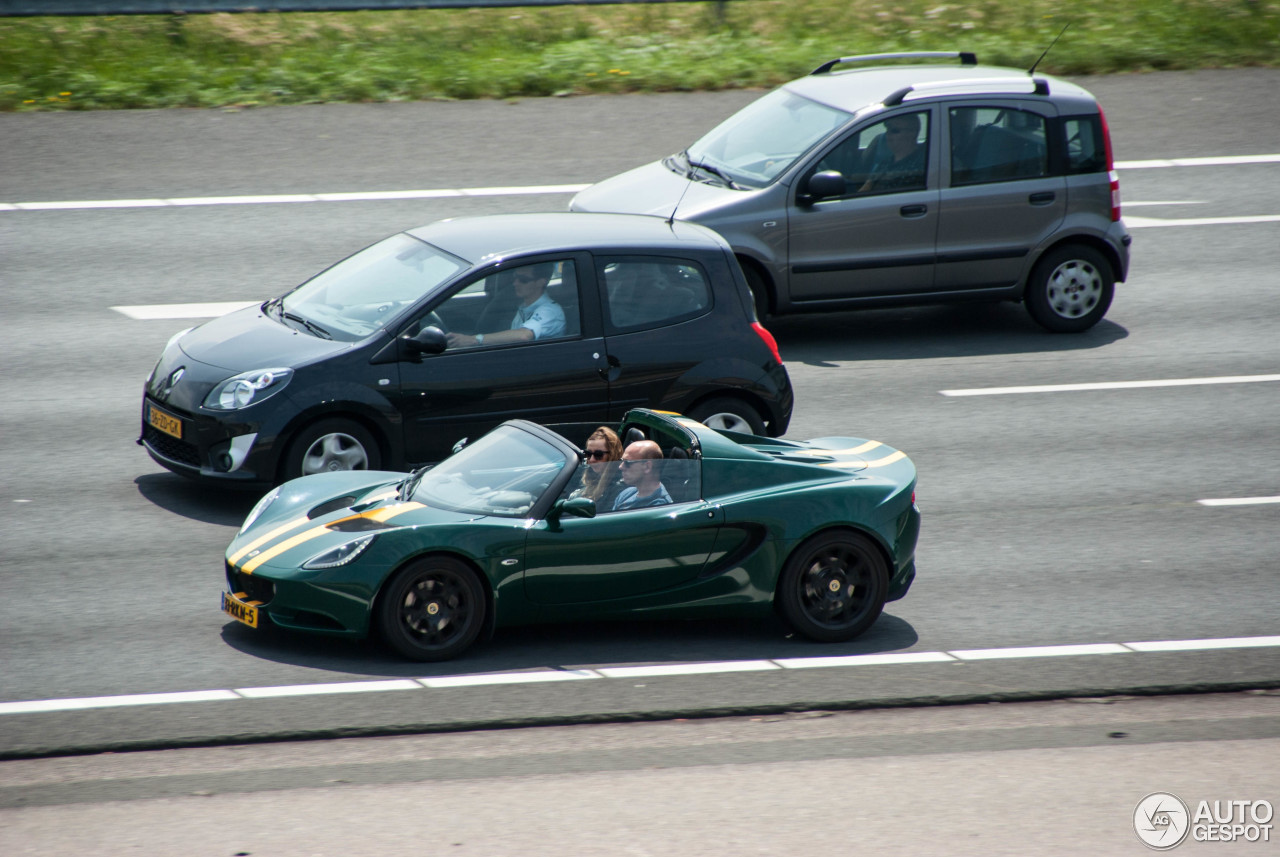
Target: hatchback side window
(886,157)
(522,304)
(652,292)
(992,144)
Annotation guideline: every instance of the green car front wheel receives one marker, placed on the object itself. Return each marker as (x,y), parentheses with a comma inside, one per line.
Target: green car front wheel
(432,609)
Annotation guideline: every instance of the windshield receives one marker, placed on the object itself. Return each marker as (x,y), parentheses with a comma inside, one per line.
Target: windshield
(503,473)
(366,292)
(757,144)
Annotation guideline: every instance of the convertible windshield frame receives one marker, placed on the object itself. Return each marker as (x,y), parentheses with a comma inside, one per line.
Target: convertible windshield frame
(372,289)
(510,472)
(759,143)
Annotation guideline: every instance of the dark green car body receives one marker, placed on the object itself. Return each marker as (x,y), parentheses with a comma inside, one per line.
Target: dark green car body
(497,510)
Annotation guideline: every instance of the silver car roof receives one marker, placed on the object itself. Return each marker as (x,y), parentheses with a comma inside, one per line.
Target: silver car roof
(478,239)
(857,88)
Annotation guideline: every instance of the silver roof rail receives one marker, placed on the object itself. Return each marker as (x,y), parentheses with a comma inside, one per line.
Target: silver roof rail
(1030,85)
(965,57)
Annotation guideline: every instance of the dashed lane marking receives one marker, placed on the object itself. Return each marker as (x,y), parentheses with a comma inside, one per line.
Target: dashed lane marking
(1110,385)
(47,706)
(1151,222)
(149,312)
(273,199)
(518,190)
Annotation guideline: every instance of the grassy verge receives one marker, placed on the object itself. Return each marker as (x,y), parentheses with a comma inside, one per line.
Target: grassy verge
(252,59)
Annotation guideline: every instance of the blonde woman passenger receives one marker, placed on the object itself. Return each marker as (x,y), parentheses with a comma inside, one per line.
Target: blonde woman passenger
(598,480)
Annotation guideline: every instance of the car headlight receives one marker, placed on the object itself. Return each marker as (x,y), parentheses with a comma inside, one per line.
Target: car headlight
(341,555)
(247,388)
(259,508)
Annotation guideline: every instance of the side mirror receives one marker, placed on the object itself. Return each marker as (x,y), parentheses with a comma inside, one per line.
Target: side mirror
(429,340)
(578,507)
(823,185)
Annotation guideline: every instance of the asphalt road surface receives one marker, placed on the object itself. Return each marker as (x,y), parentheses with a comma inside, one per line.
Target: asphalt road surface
(1064,550)
(1051,778)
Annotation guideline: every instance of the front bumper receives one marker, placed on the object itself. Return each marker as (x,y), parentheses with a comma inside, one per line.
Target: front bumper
(209,448)
(301,605)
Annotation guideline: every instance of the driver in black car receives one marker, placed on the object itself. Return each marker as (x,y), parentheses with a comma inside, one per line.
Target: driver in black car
(537,317)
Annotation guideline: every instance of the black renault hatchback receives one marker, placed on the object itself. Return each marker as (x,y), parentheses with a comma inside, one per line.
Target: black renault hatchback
(393,355)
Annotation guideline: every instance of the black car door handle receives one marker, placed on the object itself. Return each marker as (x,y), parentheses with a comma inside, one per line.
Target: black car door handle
(914,210)
(1044,197)
(612,371)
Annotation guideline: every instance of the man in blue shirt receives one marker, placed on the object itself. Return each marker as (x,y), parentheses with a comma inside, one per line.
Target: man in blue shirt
(641,464)
(537,317)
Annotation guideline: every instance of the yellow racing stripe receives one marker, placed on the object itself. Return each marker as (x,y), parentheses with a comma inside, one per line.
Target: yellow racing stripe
(381,515)
(263,539)
(826,453)
(879,462)
(888,459)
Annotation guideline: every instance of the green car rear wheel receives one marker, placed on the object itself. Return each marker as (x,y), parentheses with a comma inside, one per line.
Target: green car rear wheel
(432,610)
(834,586)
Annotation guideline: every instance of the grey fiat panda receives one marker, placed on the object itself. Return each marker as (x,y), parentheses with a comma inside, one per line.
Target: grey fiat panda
(883,180)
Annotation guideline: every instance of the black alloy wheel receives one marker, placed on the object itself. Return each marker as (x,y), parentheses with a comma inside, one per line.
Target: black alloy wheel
(834,586)
(432,610)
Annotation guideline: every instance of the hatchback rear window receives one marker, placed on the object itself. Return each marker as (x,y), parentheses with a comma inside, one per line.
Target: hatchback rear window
(992,144)
(645,291)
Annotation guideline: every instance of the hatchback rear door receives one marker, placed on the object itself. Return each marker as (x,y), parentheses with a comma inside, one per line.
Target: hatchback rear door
(1002,200)
(662,322)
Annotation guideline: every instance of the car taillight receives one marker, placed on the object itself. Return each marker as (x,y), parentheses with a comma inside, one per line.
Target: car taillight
(1111,167)
(768,340)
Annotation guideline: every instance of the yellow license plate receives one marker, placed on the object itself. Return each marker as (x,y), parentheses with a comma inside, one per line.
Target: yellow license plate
(239,610)
(167,424)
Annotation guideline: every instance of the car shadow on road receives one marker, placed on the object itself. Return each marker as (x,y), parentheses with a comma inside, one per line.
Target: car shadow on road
(580,645)
(208,504)
(912,333)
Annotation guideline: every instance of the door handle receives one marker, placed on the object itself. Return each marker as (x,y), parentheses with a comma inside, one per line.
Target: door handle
(1043,197)
(612,371)
(914,210)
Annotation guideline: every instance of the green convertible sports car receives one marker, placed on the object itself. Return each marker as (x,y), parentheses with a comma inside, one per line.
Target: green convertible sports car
(824,530)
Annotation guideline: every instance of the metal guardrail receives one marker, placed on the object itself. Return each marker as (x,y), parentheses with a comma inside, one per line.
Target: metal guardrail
(36,8)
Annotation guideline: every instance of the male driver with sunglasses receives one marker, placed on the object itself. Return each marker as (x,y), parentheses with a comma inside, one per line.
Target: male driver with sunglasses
(641,463)
(537,317)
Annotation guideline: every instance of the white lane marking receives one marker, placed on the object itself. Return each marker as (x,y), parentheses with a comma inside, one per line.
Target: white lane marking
(41,706)
(271,199)
(517,190)
(1129,204)
(1039,652)
(1239,501)
(1216,161)
(687,669)
(863,660)
(149,312)
(1204,645)
(482,679)
(320,689)
(1150,222)
(1110,385)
